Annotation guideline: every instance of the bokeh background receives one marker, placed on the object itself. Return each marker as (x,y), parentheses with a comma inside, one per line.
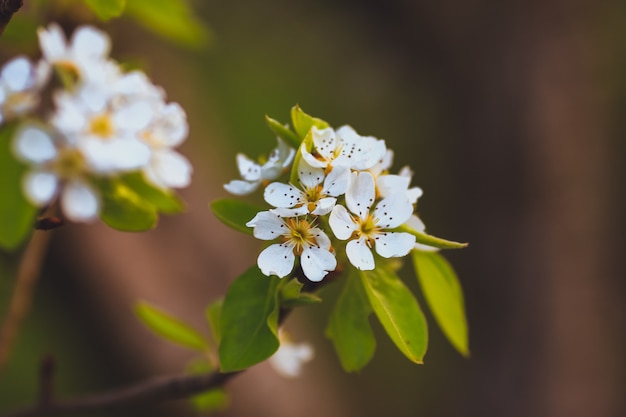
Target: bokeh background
(512,115)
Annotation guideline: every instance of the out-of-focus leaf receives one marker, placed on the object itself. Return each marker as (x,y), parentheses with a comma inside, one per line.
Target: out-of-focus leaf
(171,19)
(212,400)
(398,312)
(107,9)
(283,132)
(444,296)
(170,327)
(235,213)
(249,321)
(17,216)
(213,313)
(303,123)
(429,240)
(123,209)
(349,327)
(164,201)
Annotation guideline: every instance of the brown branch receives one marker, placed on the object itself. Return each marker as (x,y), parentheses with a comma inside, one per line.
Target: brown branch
(27,275)
(7,9)
(157,390)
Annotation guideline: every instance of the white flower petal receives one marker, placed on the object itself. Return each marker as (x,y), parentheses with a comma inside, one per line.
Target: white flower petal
(390,244)
(79,201)
(40,187)
(337,181)
(267,225)
(341,222)
(171,169)
(394,210)
(134,116)
(281,195)
(239,187)
(309,176)
(290,212)
(372,151)
(310,159)
(52,42)
(34,145)
(360,255)
(289,358)
(360,195)
(414,193)
(324,206)
(17,74)
(325,142)
(248,169)
(90,43)
(391,184)
(276,260)
(317,262)
(321,238)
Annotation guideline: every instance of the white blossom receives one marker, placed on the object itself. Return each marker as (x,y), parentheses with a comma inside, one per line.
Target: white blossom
(298,238)
(290,357)
(317,193)
(343,147)
(366,230)
(20,87)
(57,169)
(254,174)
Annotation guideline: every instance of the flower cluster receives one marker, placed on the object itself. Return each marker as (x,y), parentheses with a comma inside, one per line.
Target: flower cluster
(103,123)
(340,193)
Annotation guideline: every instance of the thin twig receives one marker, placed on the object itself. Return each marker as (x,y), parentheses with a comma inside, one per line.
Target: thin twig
(7,9)
(27,274)
(157,390)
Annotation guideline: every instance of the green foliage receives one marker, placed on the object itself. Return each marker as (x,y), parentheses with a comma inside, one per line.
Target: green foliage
(249,321)
(349,327)
(17,216)
(164,201)
(170,327)
(123,209)
(213,313)
(107,9)
(291,295)
(282,132)
(429,240)
(398,312)
(234,213)
(212,400)
(303,122)
(444,296)
(131,204)
(171,19)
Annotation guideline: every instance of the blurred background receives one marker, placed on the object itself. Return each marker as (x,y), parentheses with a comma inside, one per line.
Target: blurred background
(512,115)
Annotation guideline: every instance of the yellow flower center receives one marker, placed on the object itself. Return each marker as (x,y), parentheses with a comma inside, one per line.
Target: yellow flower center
(101,126)
(69,163)
(299,234)
(367,228)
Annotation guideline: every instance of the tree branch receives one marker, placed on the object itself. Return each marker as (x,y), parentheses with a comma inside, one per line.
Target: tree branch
(7,8)
(160,389)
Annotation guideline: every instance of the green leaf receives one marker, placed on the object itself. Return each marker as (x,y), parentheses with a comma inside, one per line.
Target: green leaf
(171,19)
(107,9)
(213,313)
(444,296)
(307,142)
(170,327)
(429,240)
(398,312)
(303,123)
(164,201)
(123,209)
(249,321)
(17,216)
(235,213)
(349,327)
(212,400)
(282,132)
(291,295)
